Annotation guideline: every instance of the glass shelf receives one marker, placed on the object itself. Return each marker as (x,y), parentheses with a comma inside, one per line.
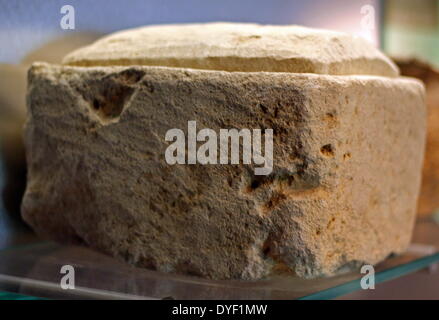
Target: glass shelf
(33,269)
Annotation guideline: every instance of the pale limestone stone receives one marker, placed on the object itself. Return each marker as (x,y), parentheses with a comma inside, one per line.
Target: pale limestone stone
(238,47)
(348,152)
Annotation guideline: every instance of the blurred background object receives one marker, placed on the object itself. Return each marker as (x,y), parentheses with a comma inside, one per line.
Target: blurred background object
(411,29)
(12,110)
(410,34)
(429,196)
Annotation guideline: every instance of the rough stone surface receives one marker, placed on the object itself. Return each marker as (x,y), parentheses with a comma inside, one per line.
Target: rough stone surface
(13,112)
(428,199)
(238,47)
(348,152)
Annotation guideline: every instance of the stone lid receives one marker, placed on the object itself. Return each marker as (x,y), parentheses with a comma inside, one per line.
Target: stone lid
(238,47)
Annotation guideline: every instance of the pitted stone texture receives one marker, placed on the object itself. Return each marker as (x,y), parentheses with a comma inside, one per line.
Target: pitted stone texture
(347,160)
(238,47)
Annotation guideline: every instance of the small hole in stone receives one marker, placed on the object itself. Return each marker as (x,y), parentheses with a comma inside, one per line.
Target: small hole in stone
(255,184)
(95,104)
(263,108)
(266,251)
(327,150)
